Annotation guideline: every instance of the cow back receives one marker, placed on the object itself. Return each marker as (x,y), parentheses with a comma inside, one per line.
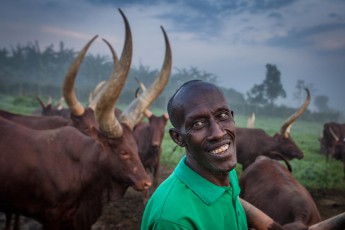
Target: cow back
(269,186)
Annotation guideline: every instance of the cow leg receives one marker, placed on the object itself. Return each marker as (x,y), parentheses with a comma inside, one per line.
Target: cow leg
(16,224)
(156,174)
(8,224)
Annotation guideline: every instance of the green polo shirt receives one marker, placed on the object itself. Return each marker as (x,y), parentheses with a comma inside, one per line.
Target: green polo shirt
(185,200)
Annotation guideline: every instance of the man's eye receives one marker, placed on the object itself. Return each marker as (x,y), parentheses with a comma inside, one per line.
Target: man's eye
(223,116)
(198,124)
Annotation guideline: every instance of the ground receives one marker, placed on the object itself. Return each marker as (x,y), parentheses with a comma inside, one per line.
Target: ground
(126,213)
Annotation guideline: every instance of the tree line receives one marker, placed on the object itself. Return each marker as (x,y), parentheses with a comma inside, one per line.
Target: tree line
(26,71)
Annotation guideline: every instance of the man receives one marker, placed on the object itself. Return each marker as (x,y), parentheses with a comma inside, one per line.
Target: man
(202,192)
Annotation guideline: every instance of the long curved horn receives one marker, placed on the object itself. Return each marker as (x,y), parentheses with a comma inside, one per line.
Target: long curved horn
(133,113)
(104,111)
(256,218)
(95,95)
(68,86)
(100,88)
(113,53)
(285,129)
(334,223)
(336,138)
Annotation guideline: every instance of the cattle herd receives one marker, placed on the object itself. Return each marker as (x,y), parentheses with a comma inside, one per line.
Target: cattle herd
(62,166)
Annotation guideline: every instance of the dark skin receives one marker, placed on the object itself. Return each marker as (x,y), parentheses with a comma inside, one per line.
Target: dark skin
(206,128)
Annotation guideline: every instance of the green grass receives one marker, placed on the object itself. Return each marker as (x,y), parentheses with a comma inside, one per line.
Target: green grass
(313,171)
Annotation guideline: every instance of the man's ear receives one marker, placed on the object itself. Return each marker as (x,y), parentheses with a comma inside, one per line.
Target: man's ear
(177,137)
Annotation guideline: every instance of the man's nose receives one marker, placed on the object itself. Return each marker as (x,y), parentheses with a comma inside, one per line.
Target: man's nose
(216,130)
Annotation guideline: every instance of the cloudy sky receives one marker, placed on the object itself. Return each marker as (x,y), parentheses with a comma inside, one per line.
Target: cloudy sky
(233,39)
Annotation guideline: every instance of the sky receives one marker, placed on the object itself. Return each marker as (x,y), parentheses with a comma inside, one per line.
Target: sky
(232,39)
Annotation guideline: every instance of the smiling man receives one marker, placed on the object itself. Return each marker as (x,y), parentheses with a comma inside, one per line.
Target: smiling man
(202,193)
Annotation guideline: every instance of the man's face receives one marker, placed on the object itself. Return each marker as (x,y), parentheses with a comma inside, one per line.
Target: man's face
(208,129)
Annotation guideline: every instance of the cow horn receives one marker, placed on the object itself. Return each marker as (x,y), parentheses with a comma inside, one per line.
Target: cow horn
(41,102)
(99,90)
(336,138)
(147,113)
(251,121)
(256,218)
(334,223)
(76,107)
(94,96)
(49,100)
(285,129)
(133,113)
(60,104)
(104,110)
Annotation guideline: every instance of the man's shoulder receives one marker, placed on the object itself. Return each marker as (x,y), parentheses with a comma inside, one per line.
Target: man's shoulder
(169,196)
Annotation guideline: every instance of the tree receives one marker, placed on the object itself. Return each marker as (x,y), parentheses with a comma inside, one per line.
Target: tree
(321,103)
(299,94)
(272,83)
(269,90)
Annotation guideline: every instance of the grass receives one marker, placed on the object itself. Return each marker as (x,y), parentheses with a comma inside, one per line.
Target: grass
(313,171)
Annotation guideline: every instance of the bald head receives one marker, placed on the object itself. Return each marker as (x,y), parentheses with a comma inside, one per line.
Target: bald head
(191,94)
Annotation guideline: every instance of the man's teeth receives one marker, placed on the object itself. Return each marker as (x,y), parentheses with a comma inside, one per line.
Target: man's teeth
(220,149)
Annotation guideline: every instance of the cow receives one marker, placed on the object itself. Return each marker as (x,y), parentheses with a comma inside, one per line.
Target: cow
(149,137)
(333,134)
(333,141)
(270,187)
(50,110)
(35,122)
(252,142)
(52,174)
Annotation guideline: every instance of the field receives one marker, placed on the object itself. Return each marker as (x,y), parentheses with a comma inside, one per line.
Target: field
(324,179)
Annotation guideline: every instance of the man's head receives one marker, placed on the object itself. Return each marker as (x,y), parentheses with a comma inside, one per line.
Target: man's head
(204,125)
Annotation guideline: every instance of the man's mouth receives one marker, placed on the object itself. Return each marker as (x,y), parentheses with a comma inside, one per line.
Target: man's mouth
(222,149)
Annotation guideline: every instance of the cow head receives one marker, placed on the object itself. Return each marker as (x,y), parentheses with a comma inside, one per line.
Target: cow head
(119,152)
(157,127)
(286,144)
(50,110)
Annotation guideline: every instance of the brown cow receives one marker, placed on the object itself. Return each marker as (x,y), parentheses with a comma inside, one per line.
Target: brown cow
(270,187)
(50,110)
(333,141)
(253,142)
(149,137)
(65,169)
(35,122)
(333,134)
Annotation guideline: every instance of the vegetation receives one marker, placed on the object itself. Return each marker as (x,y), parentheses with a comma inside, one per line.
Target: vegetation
(27,72)
(269,90)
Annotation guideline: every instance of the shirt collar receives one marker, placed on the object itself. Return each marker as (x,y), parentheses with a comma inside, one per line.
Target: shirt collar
(207,191)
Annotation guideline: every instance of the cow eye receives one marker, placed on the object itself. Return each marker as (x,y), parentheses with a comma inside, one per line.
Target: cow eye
(124,154)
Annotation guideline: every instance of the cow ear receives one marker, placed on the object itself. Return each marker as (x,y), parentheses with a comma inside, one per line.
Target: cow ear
(177,137)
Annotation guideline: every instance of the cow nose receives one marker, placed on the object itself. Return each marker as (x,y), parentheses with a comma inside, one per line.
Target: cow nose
(147,184)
